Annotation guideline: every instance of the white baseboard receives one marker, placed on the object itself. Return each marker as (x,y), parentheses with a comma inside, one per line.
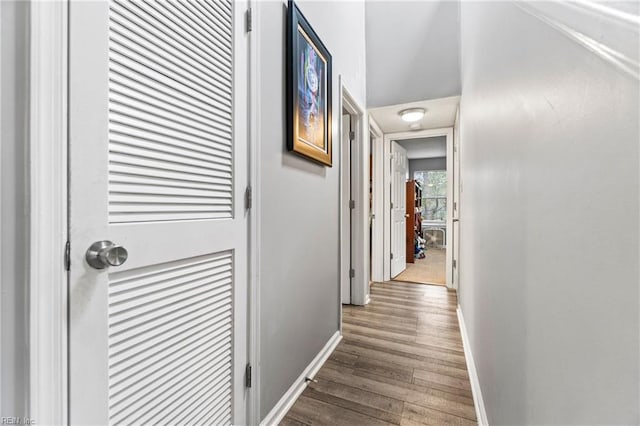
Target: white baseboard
(291,395)
(481,413)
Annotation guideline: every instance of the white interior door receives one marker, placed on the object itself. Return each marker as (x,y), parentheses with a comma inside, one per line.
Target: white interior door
(346,258)
(158,165)
(399,166)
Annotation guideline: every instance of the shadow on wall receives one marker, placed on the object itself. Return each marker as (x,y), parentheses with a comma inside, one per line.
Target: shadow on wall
(291,160)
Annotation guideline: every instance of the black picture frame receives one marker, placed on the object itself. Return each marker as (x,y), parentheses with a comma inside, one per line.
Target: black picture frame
(308,90)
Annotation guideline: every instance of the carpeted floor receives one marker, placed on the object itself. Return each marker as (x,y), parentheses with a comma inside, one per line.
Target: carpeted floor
(430,270)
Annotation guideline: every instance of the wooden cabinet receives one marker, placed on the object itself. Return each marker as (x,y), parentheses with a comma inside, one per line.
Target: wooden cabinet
(413,217)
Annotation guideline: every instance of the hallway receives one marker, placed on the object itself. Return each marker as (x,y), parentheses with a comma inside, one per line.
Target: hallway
(401,361)
(191,190)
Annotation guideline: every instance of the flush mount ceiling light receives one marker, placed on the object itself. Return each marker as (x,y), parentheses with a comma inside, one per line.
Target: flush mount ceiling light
(412,114)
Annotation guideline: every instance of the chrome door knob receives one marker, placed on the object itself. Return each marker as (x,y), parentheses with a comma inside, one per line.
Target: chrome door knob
(103,254)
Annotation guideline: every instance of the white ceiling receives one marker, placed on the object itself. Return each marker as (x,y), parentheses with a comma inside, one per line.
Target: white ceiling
(434,147)
(439,113)
(413,50)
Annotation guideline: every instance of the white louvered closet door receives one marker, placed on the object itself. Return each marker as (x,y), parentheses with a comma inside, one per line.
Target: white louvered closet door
(158,165)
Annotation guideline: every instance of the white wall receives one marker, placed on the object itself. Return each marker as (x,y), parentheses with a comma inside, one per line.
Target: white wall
(14,311)
(299,254)
(550,215)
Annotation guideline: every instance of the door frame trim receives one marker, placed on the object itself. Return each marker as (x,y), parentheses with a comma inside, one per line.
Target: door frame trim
(377,234)
(455,214)
(253,249)
(360,243)
(448,133)
(48,78)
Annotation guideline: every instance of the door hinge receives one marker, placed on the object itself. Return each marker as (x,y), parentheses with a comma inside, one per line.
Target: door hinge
(352,273)
(352,136)
(248,198)
(67,256)
(352,204)
(455,206)
(455,263)
(392,205)
(249,20)
(391,255)
(247,376)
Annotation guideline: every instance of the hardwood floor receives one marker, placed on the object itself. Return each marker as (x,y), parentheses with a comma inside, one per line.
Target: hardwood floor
(430,270)
(400,362)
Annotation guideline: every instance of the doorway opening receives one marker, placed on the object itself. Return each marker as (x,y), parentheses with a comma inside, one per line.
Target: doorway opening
(354,202)
(421,188)
(414,198)
(346,257)
(425,211)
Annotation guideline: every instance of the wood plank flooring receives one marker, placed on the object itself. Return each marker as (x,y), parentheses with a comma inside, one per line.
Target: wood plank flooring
(400,362)
(430,270)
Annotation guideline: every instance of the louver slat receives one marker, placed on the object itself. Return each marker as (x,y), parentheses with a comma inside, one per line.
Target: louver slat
(170,342)
(170,111)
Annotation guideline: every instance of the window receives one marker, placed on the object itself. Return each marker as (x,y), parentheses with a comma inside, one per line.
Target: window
(434,194)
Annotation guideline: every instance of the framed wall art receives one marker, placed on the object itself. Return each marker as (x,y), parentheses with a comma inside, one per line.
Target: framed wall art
(308,90)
